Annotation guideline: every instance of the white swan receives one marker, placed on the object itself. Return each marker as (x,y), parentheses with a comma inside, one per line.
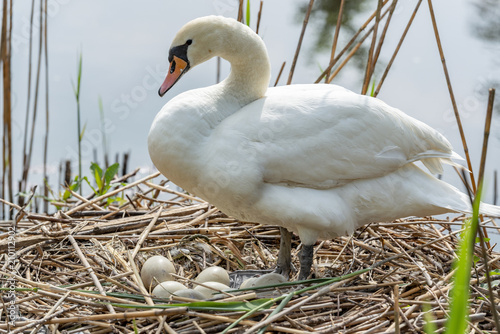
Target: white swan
(317,160)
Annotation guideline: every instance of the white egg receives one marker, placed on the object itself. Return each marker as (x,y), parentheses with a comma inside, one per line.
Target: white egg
(269,279)
(156,269)
(190,293)
(167,288)
(248,283)
(207,292)
(213,274)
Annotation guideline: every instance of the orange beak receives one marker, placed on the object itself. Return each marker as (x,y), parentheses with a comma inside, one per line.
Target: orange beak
(178,67)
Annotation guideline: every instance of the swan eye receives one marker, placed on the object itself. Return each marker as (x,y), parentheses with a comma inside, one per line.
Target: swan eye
(172,67)
(189,42)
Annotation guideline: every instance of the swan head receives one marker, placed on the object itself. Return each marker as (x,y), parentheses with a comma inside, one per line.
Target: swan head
(206,37)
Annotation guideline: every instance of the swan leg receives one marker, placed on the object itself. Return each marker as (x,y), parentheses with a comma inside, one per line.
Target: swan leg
(284,264)
(306,260)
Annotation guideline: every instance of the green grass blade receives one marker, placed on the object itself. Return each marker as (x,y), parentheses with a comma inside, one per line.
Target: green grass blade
(247,18)
(97,172)
(429,325)
(322,281)
(79,80)
(111,171)
(459,308)
(207,305)
(372,91)
(76,90)
(83,131)
(279,308)
(265,305)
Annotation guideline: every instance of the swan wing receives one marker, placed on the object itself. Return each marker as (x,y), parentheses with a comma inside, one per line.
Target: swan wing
(324,136)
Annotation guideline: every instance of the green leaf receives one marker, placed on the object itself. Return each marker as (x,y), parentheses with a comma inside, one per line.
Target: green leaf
(372,92)
(90,185)
(111,172)
(76,89)
(97,172)
(459,307)
(429,325)
(83,131)
(66,195)
(79,80)
(135,326)
(248,13)
(495,272)
(478,240)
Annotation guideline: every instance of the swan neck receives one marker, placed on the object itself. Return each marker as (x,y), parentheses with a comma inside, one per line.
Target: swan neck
(250,68)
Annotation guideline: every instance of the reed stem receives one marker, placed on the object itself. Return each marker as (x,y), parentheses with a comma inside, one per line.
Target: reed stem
(408,25)
(259,17)
(279,74)
(22,182)
(299,44)
(5,54)
(336,35)
(369,64)
(46,140)
(452,96)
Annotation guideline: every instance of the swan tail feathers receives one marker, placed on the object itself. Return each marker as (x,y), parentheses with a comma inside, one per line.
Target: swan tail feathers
(433,160)
(489,210)
(434,165)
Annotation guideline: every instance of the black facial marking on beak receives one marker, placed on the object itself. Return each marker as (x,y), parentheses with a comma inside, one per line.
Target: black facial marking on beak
(179,64)
(180,51)
(172,67)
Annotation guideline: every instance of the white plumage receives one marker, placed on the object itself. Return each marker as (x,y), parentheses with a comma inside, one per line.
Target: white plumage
(318,160)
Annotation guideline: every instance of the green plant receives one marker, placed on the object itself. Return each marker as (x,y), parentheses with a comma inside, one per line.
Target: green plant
(76,90)
(459,306)
(73,186)
(429,325)
(247,18)
(102,180)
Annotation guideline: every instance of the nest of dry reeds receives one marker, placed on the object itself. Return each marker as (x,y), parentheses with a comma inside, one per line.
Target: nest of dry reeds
(77,271)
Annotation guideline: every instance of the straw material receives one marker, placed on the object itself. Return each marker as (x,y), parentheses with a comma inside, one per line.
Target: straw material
(73,272)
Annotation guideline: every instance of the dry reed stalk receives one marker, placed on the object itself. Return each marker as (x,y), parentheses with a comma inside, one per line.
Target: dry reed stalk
(452,95)
(28,99)
(383,34)
(393,57)
(116,316)
(5,56)
(299,44)
(370,65)
(259,16)
(225,319)
(240,11)
(144,235)
(495,187)
(111,193)
(347,46)
(353,51)
(84,200)
(491,293)
(411,251)
(279,74)
(29,154)
(90,271)
(487,125)
(336,35)
(46,138)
